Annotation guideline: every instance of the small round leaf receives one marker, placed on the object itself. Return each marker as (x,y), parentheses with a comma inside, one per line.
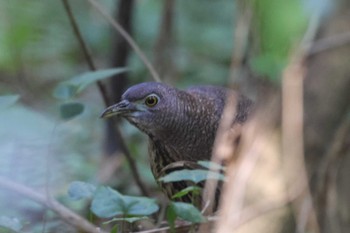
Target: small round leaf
(108,203)
(71,110)
(187,212)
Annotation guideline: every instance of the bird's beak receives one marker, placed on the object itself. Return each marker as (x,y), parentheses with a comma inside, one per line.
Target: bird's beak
(120,108)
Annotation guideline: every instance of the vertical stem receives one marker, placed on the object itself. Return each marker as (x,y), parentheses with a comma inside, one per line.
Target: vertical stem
(293,144)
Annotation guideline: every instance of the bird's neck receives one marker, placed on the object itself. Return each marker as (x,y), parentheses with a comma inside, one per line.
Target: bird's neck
(191,133)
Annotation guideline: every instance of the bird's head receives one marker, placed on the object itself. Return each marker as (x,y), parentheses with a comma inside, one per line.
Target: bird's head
(146,105)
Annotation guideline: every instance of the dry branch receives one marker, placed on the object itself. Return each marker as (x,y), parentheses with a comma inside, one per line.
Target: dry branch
(63,212)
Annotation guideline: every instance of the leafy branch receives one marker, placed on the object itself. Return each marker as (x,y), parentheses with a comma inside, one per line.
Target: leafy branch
(106,100)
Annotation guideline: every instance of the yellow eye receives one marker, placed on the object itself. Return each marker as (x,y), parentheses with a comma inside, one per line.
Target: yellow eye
(151,100)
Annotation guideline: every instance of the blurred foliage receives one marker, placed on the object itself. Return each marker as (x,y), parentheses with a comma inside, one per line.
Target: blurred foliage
(280,26)
(39,54)
(108,203)
(9,225)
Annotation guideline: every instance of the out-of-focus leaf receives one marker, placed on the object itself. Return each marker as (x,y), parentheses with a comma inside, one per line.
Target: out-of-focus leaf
(185,191)
(79,190)
(171,217)
(71,110)
(8,100)
(196,175)
(114,229)
(84,80)
(280,27)
(268,65)
(77,84)
(210,164)
(64,91)
(109,203)
(12,224)
(186,212)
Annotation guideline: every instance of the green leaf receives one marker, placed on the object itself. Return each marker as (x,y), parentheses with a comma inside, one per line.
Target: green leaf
(71,110)
(211,165)
(79,190)
(107,203)
(171,217)
(12,224)
(127,219)
(8,100)
(84,80)
(196,176)
(74,86)
(114,229)
(280,26)
(187,212)
(194,189)
(64,91)
(268,65)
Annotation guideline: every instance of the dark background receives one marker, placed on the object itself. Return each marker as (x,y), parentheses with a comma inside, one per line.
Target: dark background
(243,44)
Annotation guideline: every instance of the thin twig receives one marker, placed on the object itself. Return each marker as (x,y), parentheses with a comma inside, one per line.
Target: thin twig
(332,42)
(128,38)
(65,214)
(106,100)
(78,35)
(84,49)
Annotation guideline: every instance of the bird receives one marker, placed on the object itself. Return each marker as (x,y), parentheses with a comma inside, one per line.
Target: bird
(181,125)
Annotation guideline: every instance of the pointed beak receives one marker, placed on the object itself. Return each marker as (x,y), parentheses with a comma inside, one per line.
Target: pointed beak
(120,108)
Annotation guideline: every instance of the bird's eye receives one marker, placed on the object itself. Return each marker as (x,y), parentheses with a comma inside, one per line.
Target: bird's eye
(151,100)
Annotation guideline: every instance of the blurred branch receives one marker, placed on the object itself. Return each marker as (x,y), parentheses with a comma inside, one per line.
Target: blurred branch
(84,48)
(127,37)
(118,57)
(163,49)
(222,150)
(103,92)
(292,136)
(329,43)
(254,211)
(180,226)
(78,35)
(224,145)
(328,173)
(65,214)
(258,140)
(326,104)
(241,35)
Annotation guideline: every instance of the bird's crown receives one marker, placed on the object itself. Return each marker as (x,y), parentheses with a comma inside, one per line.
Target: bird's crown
(142,90)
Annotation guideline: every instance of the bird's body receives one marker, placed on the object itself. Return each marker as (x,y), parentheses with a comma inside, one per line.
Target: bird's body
(181,124)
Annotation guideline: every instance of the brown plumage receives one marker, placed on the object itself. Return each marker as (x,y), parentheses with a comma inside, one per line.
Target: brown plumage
(181,124)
